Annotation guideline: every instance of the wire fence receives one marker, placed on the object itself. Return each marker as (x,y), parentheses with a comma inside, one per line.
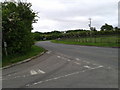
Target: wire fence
(93,39)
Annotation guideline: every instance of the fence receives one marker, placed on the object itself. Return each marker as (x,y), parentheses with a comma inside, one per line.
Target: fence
(94,39)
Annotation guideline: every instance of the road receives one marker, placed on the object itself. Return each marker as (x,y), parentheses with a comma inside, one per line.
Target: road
(66,66)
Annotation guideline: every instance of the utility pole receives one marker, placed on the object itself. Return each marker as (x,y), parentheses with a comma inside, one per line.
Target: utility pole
(90,22)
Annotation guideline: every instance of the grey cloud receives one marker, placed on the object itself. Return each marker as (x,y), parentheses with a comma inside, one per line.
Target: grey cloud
(101,12)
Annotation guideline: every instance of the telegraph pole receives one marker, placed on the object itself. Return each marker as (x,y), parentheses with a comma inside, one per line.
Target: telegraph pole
(90,22)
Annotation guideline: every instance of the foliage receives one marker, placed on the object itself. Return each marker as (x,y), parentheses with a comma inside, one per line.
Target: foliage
(17,19)
(35,50)
(74,34)
(104,41)
(106,27)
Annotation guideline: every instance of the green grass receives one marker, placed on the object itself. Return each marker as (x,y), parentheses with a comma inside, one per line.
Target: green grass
(110,41)
(35,50)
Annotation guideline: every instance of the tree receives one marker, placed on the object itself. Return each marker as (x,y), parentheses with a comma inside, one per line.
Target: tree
(106,27)
(93,29)
(17,19)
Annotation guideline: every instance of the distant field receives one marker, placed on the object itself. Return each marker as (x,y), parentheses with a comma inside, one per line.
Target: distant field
(104,41)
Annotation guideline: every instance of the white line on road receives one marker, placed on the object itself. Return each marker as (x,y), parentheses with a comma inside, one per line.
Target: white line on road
(55,78)
(40,71)
(64,58)
(87,67)
(59,56)
(48,52)
(33,72)
(100,66)
(77,59)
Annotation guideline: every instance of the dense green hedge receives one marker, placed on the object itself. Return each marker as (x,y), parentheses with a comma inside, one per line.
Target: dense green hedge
(74,34)
(17,19)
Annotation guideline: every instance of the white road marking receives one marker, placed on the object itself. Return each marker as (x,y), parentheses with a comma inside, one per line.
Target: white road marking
(77,59)
(47,80)
(59,56)
(97,67)
(55,78)
(40,71)
(64,58)
(77,63)
(33,72)
(48,52)
(87,67)
(100,66)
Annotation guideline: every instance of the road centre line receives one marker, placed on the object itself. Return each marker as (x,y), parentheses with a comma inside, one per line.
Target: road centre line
(87,67)
(23,76)
(59,77)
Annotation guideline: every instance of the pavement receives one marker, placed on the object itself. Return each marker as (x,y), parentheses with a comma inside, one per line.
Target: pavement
(66,66)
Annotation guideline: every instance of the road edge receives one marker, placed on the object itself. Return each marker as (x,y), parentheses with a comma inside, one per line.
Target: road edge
(24,61)
(87,45)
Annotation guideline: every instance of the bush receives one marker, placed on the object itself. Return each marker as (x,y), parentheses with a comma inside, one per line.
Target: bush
(17,19)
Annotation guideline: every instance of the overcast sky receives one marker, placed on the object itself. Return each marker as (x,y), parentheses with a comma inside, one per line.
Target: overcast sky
(73,14)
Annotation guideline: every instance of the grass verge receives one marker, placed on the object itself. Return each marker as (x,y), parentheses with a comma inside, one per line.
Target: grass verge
(87,44)
(35,50)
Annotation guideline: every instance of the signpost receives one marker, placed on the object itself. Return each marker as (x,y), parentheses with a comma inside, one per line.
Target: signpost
(5,45)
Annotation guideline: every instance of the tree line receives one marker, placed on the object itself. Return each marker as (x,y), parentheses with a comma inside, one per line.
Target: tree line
(104,30)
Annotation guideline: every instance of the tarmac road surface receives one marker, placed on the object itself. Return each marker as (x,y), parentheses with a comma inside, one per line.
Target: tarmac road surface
(66,66)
